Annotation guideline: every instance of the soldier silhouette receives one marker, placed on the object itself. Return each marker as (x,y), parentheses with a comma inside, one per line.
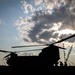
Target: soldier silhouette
(61,64)
(50,55)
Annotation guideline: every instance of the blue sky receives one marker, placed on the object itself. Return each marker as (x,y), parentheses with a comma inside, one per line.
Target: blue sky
(10,10)
(24,22)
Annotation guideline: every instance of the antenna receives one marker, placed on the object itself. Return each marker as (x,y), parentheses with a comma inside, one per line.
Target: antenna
(64,54)
(68,54)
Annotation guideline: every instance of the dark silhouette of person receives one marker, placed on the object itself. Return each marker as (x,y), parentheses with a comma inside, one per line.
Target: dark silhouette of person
(65,64)
(61,64)
(50,55)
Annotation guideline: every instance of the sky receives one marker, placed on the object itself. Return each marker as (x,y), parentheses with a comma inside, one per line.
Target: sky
(33,22)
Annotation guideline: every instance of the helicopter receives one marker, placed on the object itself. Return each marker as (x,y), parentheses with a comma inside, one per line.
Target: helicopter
(48,57)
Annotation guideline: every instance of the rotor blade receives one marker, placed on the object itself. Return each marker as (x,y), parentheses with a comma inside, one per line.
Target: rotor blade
(29,50)
(4,51)
(57,46)
(35,50)
(46,44)
(65,39)
(61,47)
(29,46)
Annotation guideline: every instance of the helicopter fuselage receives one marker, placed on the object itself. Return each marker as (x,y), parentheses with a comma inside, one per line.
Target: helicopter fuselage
(48,56)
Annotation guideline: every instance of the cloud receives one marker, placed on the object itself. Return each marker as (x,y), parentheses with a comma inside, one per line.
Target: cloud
(0,21)
(44,27)
(51,4)
(26,7)
(37,2)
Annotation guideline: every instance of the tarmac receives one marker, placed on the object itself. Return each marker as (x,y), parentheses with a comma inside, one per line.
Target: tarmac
(30,70)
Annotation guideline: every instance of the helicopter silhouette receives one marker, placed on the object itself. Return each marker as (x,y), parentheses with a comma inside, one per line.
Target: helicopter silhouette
(48,57)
